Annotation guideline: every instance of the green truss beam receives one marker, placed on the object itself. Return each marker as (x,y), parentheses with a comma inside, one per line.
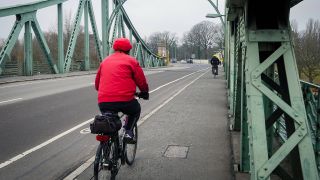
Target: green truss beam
(262,66)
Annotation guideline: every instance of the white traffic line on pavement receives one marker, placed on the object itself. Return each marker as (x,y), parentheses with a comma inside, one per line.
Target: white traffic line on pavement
(176,80)
(6,163)
(10,100)
(168,100)
(80,169)
(19,156)
(85,165)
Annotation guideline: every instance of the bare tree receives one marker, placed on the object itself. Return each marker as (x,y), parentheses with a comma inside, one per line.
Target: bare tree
(204,36)
(2,41)
(297,44)
(153,41)
(307,50)
(219,37)
(167,38)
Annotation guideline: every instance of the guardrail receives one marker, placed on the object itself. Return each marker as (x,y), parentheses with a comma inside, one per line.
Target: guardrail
(312,105)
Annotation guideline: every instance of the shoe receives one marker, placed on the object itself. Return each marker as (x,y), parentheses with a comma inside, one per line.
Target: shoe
(129,137)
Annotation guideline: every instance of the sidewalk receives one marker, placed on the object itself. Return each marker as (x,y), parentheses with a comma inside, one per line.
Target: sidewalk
(12,79)
(186,139)
(5,80)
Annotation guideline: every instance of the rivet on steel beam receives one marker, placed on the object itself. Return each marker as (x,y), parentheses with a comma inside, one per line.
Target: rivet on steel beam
(296,115)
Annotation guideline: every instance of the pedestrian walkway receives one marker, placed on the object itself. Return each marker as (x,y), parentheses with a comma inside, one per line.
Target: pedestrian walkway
(186,139)
(13,79)
(5,80)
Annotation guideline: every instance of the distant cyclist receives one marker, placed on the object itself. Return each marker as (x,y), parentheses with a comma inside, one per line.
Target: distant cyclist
(117,78)
(215,62)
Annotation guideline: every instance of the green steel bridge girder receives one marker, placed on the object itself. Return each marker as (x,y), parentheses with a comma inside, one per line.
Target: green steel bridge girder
(29,7)
(85,8)
(28,20)
(255,48)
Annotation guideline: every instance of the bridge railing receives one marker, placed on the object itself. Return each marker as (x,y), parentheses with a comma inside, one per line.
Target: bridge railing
(312,104)
(264,93)
(114,24)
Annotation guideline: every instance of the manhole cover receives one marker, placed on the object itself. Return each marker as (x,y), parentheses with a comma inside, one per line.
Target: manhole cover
(175,151)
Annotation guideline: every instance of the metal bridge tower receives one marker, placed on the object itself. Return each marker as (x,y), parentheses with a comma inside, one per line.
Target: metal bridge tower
(264,88)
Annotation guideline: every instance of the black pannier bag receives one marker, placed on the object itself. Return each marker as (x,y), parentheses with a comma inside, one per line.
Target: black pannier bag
(105,124)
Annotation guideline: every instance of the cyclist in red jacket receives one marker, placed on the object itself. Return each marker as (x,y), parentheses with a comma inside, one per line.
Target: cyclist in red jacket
(117,78)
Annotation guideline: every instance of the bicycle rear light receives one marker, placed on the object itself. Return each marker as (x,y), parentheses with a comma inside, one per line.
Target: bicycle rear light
(102,138)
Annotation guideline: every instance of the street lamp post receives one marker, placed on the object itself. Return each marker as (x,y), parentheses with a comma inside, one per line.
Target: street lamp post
(219,15)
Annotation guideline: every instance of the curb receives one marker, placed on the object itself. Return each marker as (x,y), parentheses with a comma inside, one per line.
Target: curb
(14,79)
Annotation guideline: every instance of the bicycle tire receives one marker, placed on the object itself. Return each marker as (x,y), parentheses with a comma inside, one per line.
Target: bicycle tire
(100,159)
(131,149)
(114,156)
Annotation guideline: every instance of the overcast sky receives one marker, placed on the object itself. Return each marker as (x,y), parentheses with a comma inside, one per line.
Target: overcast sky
(149,16)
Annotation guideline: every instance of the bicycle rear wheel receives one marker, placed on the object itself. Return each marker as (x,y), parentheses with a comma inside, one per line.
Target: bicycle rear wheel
(101,162)
(131,149)
(114,157)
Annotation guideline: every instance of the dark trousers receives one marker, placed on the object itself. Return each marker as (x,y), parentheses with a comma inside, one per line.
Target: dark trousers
(131,108)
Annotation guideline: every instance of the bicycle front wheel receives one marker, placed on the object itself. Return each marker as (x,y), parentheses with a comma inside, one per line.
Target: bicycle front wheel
(131,149)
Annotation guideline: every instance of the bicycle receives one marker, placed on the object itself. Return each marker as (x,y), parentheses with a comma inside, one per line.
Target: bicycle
(214,71)
(113,152)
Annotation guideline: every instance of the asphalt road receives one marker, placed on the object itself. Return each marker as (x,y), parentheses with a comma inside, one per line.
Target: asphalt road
(40,121)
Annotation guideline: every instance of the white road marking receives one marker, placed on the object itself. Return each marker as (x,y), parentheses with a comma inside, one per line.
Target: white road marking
(19,156)
(176,80)
(84,166)
(80,169)
(10,100)
(6,163)
(85,131)
(168,100)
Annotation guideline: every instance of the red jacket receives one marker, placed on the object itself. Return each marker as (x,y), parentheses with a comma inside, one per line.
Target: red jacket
(117,78)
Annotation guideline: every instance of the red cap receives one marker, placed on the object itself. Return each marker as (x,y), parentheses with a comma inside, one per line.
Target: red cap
(122,44)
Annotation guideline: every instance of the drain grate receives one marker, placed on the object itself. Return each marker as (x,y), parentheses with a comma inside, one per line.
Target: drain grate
(176,151)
